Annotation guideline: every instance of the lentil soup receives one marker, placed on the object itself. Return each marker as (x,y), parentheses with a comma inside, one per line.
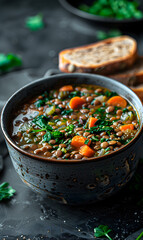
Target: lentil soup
(75,122)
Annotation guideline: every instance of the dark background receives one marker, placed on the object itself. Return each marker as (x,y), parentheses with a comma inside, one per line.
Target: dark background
(28,215)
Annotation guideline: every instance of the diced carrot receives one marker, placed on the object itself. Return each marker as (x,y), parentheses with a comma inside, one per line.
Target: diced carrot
(78,141)
(86,151)
(67,88)
(76,102)
(127,126)
(92,122)
(117,101)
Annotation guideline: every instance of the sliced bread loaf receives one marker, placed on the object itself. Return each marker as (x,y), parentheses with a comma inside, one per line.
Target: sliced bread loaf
(132,76)
(139,91)
(105,57)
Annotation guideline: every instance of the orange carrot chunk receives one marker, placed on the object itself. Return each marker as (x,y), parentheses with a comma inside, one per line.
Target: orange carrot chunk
(127,126)
(92,122)
(117,101)
(86,151)
(67,88)
(78,141)
(76,102)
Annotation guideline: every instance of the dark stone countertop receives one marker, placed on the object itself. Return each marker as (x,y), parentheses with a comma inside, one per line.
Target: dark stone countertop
(28,215)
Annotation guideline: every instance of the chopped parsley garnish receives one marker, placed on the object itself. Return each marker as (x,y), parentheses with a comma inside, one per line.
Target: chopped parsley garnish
(125,110)
(42,122)
(42,102)
(102,125)
(96,139)
(74,94)
(66,112)
(103,140)
(110,94)
(86,141)
(70,128)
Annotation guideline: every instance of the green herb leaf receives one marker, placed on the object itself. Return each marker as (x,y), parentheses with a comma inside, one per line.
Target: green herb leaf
(74,94)
(125,110)
(123,9)
(6,192)
(102,231)
(86,141)
(140,236)
(66,112)
(101,125)
(110,94)
(47,137)
(35,23)
(103,140)
(70,128)
(57,135)
(101,35)
(96,139)
(42,122)
(9,62)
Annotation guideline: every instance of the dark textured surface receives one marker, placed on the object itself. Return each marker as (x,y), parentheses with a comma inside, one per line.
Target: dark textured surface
(27,214)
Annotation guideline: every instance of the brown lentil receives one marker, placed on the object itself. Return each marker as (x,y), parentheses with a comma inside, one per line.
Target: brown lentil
(104,144)
(112,142)
(59,153)
(110,109)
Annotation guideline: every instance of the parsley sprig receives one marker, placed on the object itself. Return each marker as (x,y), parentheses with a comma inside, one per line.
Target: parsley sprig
(140,236)
(6,192)
(9,62)
(35,23)
(102,231)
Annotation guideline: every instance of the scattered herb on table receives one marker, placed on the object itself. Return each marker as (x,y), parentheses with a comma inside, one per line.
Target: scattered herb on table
(9,62)
(101,35)
(6,191)
(123,9)
(35,23)
(102,231)
(140,236)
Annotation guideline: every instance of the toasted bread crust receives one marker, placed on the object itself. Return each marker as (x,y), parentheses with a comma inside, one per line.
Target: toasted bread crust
(139,92)
(105,68)
(132,76)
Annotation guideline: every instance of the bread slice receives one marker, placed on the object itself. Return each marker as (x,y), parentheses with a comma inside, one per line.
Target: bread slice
(105,57)
(139,91)
(132,76)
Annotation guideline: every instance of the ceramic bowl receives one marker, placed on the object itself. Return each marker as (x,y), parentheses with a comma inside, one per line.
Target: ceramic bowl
(73,181)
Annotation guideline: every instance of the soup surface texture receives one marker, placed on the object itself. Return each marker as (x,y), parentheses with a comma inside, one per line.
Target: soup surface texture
(75,122)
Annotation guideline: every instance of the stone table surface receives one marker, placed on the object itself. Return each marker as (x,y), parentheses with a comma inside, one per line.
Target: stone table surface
(27,215)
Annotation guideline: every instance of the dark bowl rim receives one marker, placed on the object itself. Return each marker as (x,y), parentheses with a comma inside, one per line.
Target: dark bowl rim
(40,158)
(93,17)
